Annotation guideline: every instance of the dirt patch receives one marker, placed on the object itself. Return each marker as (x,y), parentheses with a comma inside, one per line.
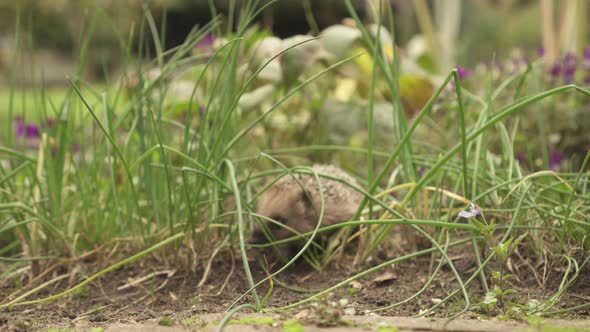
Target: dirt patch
(174,298)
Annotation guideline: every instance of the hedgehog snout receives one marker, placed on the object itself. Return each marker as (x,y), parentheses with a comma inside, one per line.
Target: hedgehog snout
(259,236)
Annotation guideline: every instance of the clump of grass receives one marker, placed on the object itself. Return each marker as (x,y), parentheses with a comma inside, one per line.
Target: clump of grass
(193,322)
(292,325)
(166,321)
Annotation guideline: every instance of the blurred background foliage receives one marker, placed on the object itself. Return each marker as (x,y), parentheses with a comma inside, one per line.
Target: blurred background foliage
(467,32)
(491,39)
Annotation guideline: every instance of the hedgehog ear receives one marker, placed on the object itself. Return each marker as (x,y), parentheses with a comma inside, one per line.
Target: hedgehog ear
(306,198)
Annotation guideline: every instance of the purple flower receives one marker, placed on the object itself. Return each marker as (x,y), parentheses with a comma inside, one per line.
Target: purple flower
(555,159)
(206,43)
(554,73)
(473,211)
(19,126)
(587,57)
(569,59)
(31,130)
(521,157)
(462,72)
(569,67)
(541,52)
(586,64)
(49,123)
(568,76)
(555,69)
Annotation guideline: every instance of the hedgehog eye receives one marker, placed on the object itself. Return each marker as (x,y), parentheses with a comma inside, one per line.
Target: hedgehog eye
(279,219)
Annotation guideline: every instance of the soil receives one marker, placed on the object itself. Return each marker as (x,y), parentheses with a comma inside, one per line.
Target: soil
(173,297)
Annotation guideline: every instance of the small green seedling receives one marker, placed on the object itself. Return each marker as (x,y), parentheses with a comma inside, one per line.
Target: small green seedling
(253,321)
(387,329)
(327,312)
(496,298)
(166,321)
(292,325)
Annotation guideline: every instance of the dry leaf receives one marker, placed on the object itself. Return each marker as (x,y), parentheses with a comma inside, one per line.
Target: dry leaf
(303,314)
(384,277)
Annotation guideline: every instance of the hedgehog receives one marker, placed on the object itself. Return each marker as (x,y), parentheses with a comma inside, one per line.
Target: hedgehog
(295,201)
